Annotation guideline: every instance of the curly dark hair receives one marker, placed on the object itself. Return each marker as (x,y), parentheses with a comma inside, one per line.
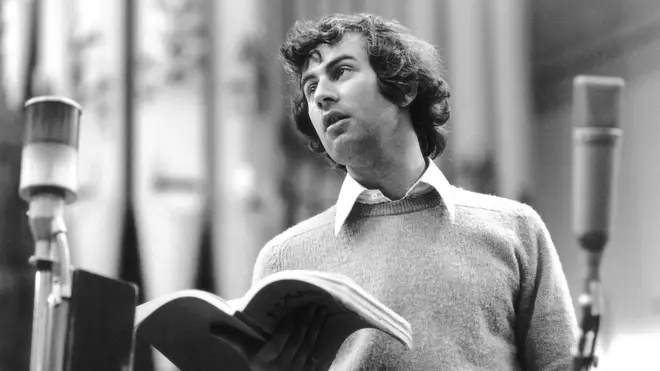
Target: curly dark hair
(399,60)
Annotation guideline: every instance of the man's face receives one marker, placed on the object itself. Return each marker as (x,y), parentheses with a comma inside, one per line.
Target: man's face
(350,116)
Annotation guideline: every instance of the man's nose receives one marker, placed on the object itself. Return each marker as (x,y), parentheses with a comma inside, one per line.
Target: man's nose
(325,95)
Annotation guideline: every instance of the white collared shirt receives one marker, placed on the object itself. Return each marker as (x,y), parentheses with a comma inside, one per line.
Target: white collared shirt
(352,192)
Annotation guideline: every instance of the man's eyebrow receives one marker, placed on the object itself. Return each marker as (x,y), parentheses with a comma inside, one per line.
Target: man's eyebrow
(328,66)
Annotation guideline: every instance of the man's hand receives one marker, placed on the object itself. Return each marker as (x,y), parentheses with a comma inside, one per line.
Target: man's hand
(292,346)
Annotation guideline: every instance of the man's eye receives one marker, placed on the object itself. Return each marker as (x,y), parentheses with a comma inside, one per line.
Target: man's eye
(341,70)
(311,88)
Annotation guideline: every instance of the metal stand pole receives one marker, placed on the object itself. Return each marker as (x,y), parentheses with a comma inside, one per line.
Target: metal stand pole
(42,289)
(590,303)
(52,283)
(48,182)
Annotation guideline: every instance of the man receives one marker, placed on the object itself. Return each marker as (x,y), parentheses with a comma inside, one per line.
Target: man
(477,276)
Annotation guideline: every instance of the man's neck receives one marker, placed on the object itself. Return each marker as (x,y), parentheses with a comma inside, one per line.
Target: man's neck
(392,176)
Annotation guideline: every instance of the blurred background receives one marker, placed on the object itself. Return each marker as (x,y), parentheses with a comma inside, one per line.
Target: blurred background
(188,161)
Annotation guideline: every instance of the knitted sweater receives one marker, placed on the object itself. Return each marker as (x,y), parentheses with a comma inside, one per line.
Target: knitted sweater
(484,291)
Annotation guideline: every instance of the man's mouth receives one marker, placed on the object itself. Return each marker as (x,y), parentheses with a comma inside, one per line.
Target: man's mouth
(334,118)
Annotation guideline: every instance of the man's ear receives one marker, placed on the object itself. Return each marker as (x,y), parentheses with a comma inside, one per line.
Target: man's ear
(410,94)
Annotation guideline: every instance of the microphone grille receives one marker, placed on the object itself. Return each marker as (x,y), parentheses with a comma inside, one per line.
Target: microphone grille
(597,100)
(52,119)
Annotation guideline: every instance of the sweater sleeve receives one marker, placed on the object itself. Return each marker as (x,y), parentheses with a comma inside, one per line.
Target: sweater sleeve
(546,324)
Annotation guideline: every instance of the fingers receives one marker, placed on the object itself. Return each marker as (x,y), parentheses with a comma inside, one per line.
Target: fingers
(296,341)
(304,357)
(293,343)
(273,348)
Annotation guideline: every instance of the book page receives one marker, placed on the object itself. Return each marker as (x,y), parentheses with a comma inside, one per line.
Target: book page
(180,328)
(273,302)
(146,309)
(349,307)
(180,325)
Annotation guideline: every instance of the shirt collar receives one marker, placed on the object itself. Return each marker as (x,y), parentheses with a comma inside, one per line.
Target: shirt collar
(351,190)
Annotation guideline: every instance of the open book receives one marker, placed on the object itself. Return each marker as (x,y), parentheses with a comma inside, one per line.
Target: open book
(182,325)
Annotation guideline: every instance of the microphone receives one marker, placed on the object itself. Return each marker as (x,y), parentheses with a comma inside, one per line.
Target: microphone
(596,146)
(49,172)
(596,138)
(48,181)
(50,152)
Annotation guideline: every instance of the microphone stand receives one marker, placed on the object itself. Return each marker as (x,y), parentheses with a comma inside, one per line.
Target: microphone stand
(591,304)
(81,320)
(596,136)
(584,357)
(52,282)
(48,181)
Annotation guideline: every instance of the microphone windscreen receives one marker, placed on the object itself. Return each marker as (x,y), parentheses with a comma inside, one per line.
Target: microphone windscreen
(597,101)
(52,119)
(49,162)
(596,143)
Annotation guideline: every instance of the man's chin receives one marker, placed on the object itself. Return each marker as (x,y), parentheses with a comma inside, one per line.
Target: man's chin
(344,155)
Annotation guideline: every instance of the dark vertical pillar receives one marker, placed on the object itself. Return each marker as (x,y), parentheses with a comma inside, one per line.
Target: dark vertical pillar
(205,275)
(129,269)
(16,275)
